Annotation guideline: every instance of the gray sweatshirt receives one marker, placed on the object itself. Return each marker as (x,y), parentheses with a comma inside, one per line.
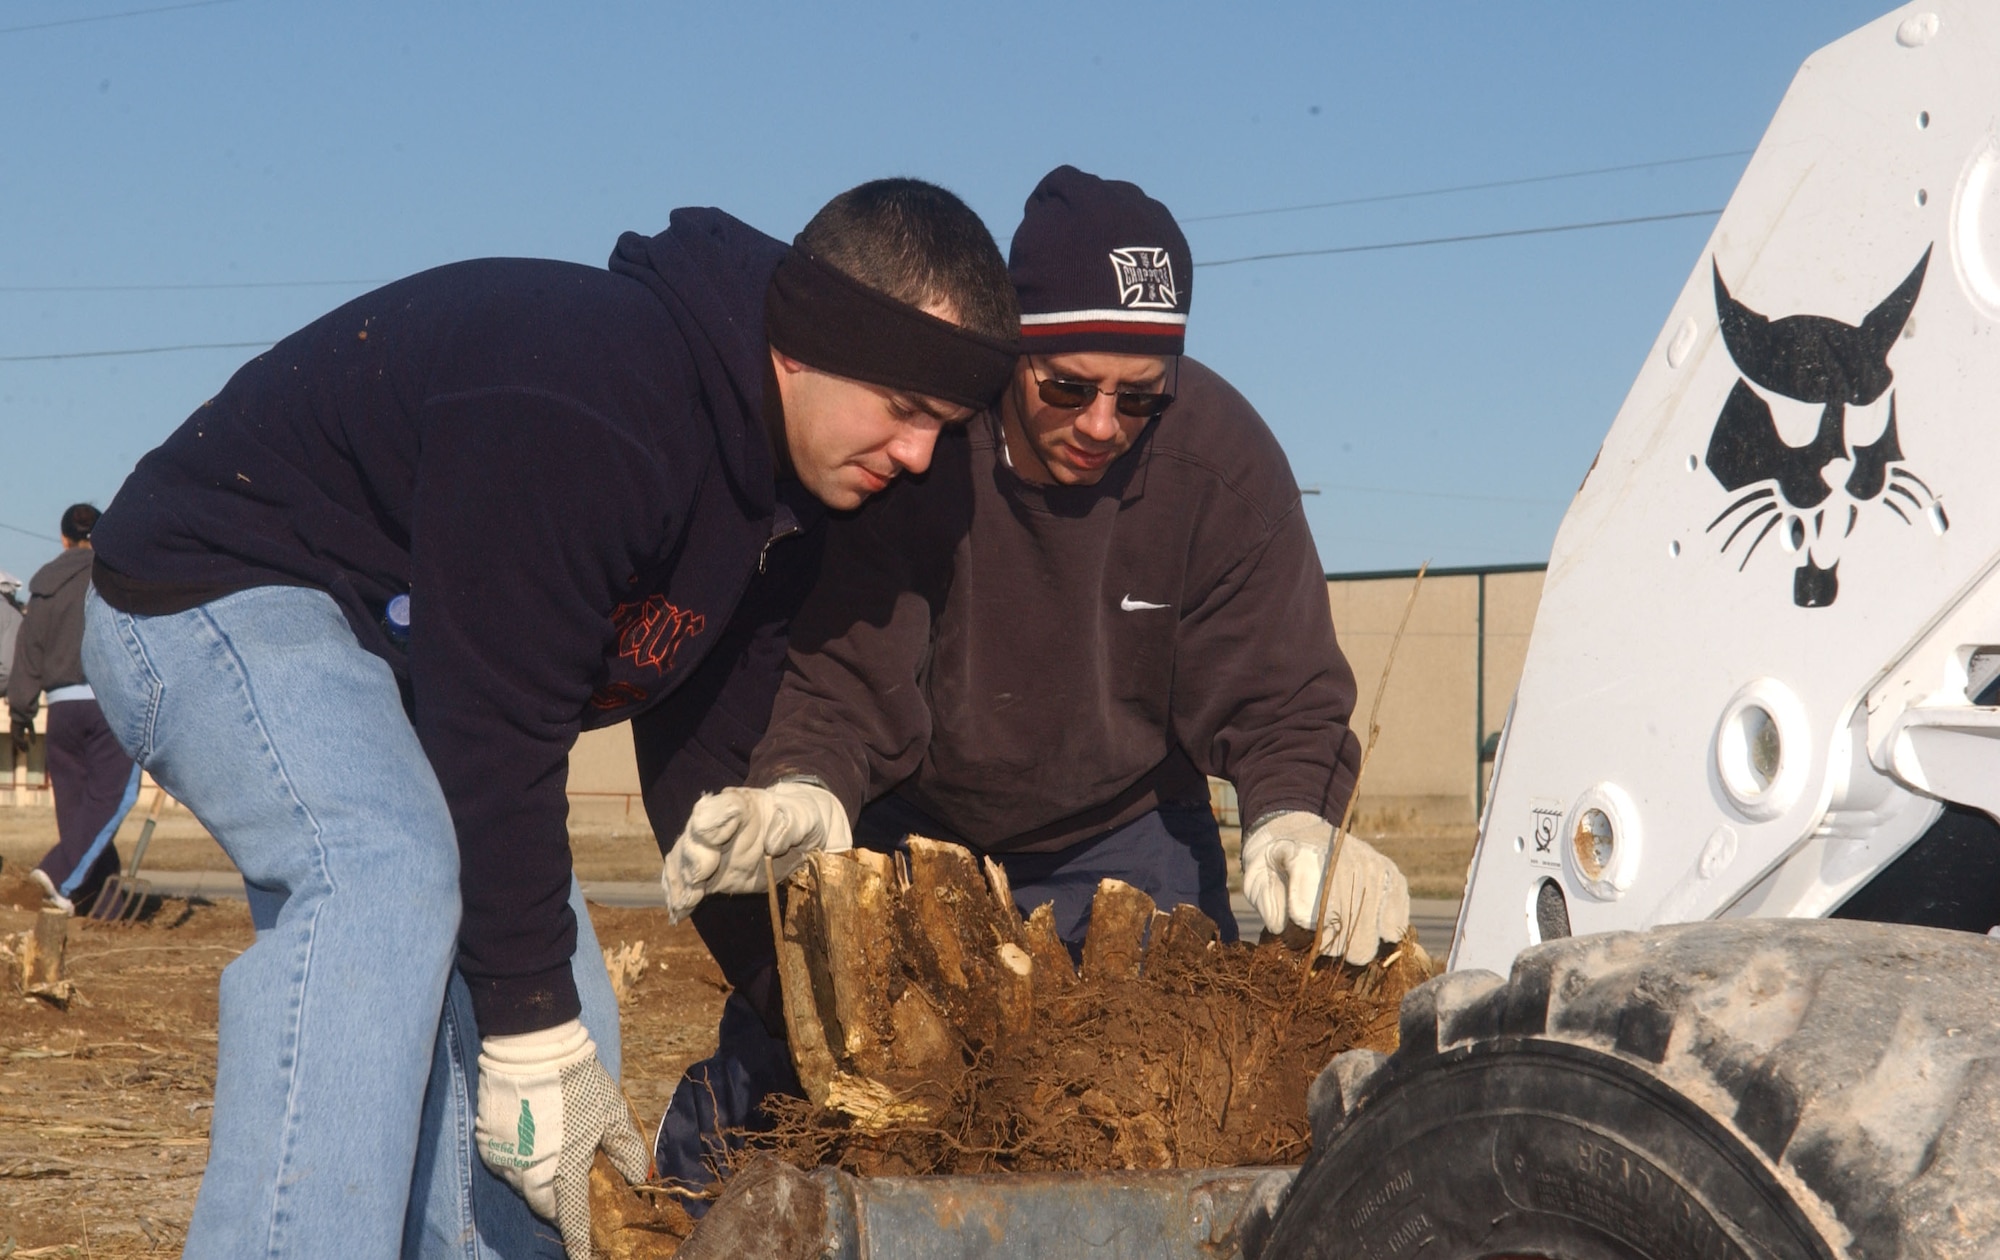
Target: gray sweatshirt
(10,626)
(1032,665)
(48,651)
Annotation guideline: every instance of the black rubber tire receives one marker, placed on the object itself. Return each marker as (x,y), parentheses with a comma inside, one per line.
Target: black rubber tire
(1751,1088)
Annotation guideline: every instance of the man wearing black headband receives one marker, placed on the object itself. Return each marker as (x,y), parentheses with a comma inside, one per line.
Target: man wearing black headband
(1104,591)
(355,611)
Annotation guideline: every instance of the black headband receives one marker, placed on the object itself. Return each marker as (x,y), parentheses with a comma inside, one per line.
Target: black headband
(826,319)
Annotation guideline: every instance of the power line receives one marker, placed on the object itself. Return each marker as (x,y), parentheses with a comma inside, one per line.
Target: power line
(1375,198)
(1457,240)
(1219,262)
(107,17)
(1200,218)
(29,532)
(1437,494)
(176,288)
(111,354)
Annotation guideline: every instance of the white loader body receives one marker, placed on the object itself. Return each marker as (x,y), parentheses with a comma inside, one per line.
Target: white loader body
(1776,597)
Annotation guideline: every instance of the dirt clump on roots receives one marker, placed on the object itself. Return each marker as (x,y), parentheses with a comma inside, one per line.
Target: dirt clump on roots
(936,1031)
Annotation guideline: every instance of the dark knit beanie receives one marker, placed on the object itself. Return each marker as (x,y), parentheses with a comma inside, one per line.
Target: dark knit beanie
(1100,267)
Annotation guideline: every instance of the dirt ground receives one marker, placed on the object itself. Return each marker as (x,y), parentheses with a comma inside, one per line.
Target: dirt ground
(104,1107)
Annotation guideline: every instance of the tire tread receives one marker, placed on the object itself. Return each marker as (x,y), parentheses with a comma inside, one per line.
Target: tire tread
(1861,1059)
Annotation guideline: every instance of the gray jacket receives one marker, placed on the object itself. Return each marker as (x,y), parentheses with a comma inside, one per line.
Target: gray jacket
(48,651)
(10,626)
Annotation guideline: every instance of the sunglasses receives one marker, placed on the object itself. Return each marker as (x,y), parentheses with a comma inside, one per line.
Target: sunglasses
(1076,395)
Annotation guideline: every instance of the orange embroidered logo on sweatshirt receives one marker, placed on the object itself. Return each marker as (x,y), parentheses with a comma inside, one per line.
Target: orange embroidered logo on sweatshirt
(651,631)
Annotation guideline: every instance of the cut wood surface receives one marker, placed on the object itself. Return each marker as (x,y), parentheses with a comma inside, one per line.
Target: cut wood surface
(1120,917)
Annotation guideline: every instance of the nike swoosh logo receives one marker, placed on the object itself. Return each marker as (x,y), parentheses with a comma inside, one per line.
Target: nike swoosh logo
(1134,605)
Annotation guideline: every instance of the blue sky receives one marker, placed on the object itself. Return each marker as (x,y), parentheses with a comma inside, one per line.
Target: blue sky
(1447,399)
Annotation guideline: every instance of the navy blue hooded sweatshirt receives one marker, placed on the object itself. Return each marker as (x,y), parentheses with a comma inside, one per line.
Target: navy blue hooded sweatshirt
(568,471)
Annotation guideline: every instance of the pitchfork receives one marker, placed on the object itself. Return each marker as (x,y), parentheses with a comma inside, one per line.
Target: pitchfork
(124,896)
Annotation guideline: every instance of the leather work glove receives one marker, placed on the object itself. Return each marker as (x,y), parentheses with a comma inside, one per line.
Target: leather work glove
(730,833)
(21,731)
(1367,904)
(545,1105)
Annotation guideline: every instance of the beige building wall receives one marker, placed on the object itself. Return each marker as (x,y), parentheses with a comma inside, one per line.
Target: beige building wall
(604,778)
(1425,770)
(1455,673)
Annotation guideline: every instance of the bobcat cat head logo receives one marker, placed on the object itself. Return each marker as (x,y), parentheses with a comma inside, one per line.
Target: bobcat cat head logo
(1842,369)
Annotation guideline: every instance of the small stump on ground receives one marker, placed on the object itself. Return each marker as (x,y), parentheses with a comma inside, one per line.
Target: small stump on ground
(42,951)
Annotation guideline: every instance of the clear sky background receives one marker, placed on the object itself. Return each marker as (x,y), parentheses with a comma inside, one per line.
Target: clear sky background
(1446,399)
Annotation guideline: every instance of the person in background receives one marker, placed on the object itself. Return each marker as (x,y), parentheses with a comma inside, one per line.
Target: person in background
(10,624)
(94,779)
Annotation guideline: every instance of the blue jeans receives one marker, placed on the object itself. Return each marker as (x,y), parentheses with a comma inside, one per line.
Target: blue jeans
(1174,854)
(346,1065)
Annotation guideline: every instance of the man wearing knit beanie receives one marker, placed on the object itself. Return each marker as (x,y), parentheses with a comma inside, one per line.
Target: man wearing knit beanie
(1104,590)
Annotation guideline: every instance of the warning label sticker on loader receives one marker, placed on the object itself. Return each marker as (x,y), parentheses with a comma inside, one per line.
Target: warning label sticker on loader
(1544,825)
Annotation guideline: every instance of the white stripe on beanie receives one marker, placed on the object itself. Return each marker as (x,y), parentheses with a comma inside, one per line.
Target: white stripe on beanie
(1118,314)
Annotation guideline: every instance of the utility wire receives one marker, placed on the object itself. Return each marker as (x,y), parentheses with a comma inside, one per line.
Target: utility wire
(108,17)
(112,354)
(1220,262)
(131,13)
(1457,240)
(176,288)
(29,532)
(1432,494)
(1376,198)
(1371,199)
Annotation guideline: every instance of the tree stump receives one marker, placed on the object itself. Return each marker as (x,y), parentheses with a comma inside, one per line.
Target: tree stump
(936,1029)
(44,950)
(891,979)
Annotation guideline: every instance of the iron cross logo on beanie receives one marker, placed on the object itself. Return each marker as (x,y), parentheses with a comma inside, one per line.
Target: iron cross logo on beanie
(1145,277)
(1071,300)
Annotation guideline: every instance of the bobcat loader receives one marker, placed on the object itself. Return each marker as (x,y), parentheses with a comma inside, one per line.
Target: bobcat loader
(1722,986)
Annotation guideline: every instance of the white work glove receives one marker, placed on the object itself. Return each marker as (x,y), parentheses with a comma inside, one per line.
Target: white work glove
(730,833)
(545,1105)
(1368,902)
